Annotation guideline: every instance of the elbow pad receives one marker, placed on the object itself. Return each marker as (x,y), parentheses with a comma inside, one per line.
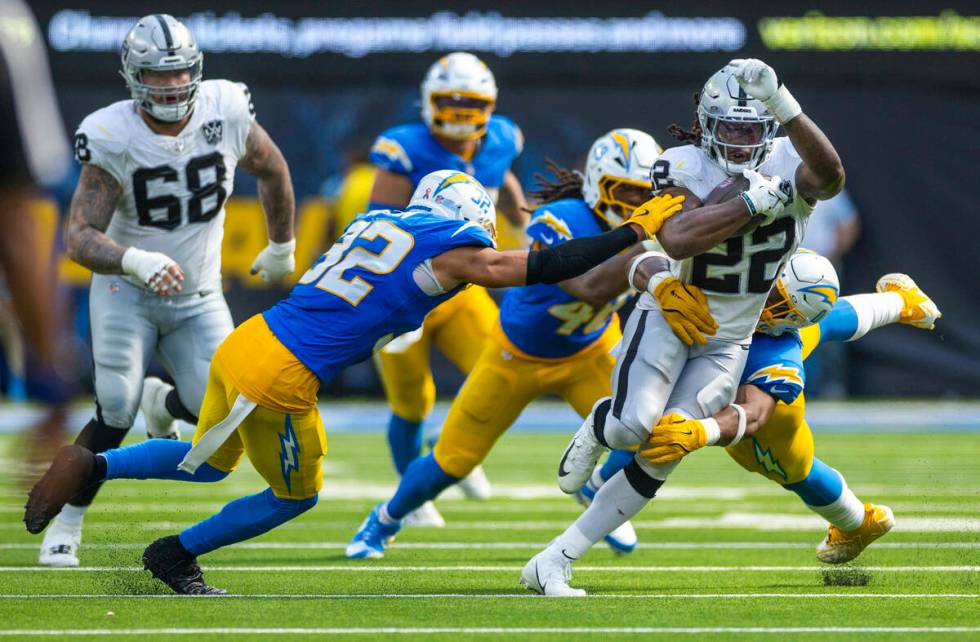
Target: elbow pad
(568,260)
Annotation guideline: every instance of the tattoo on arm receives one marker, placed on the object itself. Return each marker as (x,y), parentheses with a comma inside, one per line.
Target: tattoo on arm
(89,215)
(263,160)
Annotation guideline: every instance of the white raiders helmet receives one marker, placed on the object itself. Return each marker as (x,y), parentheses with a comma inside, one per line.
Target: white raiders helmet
(160,42)
(457,196)
(723,103)
(804,293)
(619,162)
(459,94)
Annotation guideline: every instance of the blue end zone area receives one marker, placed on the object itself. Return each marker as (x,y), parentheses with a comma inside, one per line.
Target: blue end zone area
(558,417)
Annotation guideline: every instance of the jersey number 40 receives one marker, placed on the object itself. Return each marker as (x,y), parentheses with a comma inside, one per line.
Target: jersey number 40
(329,272)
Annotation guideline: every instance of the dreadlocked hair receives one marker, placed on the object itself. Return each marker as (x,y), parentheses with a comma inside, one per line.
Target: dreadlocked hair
(692,136)
(566,183)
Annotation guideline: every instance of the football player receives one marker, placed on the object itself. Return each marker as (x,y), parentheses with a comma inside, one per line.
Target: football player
(733,251)
(147,218)
(766,431)
(379,280)
(460,131)
(551,338)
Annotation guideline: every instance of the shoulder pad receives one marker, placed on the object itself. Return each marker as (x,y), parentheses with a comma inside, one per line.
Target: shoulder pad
(389,154)
(775,365)
(509,132)
(677,167)
(548,225)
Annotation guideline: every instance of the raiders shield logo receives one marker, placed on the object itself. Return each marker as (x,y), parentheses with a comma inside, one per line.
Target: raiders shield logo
(212,131)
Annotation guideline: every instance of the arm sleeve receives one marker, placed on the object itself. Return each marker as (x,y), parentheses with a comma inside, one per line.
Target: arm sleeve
(568,260)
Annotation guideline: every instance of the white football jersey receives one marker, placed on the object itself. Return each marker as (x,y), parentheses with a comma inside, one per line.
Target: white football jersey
(174,188)
(736,275)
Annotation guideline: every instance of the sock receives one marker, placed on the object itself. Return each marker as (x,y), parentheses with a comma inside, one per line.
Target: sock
(243,519)
(72,516)
(825,492)
(571,544)
(156,459)
(615,462)
(619,499)
(98,437)
(423,480)
(177,409)
(405,442)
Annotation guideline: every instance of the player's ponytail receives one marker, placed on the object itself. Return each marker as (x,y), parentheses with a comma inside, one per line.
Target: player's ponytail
(692,136)
(566,183)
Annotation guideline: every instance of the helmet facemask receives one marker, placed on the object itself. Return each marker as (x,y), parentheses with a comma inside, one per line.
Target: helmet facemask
(618,197)
(461,115)
(804,293)
(780,314)
(739,140)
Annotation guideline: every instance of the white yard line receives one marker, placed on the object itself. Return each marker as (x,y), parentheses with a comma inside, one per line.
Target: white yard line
(490,596)
(356,568)
(448,546)
(703,630)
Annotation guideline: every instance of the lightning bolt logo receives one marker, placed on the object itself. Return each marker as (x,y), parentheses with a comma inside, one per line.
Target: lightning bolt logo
(559,226)
(393,150)
(458,177)
(766,460)
(288,452)
(827,293)
(777,374)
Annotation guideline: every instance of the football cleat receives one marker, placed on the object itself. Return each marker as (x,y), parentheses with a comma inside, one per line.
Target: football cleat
(548,573)
(840,547)
(153,402)
(919,310)
(580,457)
(476,485)
(172,564)
(426,516)
(60,545)
(622,540)
(69,473)
(371,538)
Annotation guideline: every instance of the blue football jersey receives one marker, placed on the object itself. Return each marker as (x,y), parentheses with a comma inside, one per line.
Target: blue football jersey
(362,292)
(543,320)
(775,364)
(412,150)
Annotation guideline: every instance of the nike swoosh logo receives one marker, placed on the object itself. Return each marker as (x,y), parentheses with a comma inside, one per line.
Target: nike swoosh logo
(561,465)
(687,433)
(567,555)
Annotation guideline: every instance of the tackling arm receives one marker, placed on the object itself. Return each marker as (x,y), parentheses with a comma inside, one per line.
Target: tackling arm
(604,282)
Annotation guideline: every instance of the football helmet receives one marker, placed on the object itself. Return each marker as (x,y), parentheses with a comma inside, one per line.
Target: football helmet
(804,293)
(459,94)
(619,163)
(457,196)
(734,124)
(160,42)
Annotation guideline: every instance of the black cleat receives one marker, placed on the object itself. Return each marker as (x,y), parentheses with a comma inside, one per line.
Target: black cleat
(172,564)
(71,472)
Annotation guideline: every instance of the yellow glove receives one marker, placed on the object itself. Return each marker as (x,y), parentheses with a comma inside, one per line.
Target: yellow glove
(673,438)
(652,214)
(685,308)
(919,310)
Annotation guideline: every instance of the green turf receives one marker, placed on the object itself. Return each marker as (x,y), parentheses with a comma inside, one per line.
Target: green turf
(930,480)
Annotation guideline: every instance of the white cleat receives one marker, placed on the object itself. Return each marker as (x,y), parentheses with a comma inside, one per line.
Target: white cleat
(159,423)
(476,485)
(580,457)
(60,545)
(548,573)
(426,515)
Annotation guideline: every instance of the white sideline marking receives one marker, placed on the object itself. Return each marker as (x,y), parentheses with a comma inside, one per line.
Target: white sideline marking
(701,630)
(437,546)
(503,568)
(488,596)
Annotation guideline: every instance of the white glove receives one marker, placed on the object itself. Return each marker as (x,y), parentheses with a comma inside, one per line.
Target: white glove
(764,197)
(275,261)
(759,81)
(155,270)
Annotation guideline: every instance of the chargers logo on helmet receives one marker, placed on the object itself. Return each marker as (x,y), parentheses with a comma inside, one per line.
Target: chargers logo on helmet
(804,293)
(617,173)
(457,196)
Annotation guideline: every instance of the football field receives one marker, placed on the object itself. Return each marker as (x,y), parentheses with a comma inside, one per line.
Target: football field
(723,555)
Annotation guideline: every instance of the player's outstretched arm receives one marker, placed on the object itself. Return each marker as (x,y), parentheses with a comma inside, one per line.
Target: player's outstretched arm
(605,282)
(821,174)
(511,202)
(490,268)
(265,162)
(675,436)
(87,244)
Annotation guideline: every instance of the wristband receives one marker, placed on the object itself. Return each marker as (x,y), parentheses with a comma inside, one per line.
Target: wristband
(636,263)
(783,106)
(282,249)
(741,424)
(712,431)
